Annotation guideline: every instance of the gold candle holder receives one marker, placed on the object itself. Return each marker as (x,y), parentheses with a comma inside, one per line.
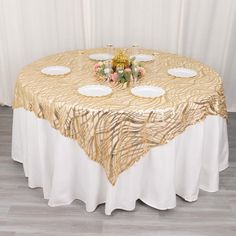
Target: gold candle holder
(120,60)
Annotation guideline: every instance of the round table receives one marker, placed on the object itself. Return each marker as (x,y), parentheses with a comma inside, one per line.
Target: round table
(121,148)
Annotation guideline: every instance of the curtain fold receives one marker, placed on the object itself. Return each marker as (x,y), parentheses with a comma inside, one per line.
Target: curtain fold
(203,29)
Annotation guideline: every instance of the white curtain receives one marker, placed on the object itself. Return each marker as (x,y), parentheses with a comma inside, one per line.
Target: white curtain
(201,29)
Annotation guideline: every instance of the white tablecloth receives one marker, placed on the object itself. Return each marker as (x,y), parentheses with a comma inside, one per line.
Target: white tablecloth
(190,162)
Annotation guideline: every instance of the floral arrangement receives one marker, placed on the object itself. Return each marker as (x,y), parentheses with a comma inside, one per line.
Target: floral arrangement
(120,70)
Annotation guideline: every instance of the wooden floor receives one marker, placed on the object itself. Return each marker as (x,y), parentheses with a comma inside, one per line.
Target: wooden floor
(24,212)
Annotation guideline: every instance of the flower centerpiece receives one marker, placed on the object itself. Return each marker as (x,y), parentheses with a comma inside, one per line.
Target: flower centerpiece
(121,70)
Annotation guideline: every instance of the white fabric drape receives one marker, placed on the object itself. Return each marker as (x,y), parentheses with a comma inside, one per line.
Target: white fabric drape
(203,29)
(189,162)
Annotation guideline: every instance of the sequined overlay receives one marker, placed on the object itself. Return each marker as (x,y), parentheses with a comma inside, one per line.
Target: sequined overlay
(117,130)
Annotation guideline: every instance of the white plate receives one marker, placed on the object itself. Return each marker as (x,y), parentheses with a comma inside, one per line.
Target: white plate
(56,70)
(147,91)
(143,57)
(101,56)
(95,90)
(182,72)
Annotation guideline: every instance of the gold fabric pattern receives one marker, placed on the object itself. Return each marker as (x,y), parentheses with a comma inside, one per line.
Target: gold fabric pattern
(117,130)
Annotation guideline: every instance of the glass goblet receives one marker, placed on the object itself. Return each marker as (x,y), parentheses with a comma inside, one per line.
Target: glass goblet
(109,48)
(135,49)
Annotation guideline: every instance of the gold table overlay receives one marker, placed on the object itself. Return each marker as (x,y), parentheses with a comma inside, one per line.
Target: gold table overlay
(119,129)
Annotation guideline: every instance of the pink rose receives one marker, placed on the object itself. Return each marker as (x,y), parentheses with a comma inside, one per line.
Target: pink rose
(141,71)
(96,66)
(128,70)
(114,77)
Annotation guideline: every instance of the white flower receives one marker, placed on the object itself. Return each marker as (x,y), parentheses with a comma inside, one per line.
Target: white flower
(120,71)
(106,70)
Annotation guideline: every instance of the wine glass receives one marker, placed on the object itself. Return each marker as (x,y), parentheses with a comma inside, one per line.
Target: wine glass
(156,55)
(109,48)
(135,49)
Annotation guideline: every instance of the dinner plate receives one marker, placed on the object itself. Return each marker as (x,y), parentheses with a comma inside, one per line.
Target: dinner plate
(147,91)
(143,57)
(182,72)
(101,56)
(95,90)
(56,70)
